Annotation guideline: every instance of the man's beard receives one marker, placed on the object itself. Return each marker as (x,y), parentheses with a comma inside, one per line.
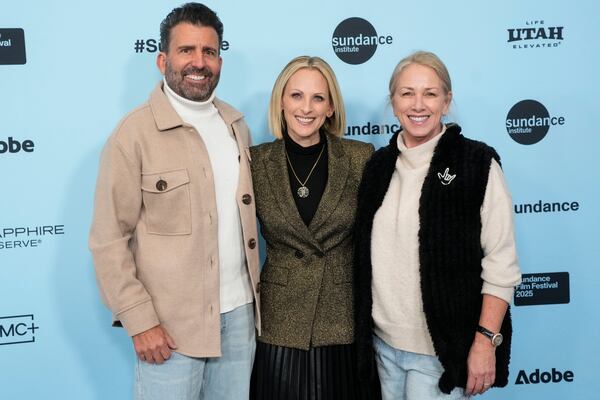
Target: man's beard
(200,91)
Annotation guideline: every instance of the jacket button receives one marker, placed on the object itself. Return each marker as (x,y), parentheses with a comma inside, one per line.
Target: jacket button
(320,254)
(258,288)
(161,185)
(252,243)
(246,199)
(299,254)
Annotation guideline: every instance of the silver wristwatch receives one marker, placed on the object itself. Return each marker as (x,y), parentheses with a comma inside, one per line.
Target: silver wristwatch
(495,338)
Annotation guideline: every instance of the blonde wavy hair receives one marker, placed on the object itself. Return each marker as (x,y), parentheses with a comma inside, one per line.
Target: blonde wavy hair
(336,124)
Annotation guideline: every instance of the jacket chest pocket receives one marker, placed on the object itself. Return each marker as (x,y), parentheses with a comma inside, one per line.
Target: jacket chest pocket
(166,197)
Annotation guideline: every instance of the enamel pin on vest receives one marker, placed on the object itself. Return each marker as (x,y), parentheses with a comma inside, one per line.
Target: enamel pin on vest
(446,177)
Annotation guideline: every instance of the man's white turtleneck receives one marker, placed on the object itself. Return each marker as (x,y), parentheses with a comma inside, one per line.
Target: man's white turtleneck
(235,287)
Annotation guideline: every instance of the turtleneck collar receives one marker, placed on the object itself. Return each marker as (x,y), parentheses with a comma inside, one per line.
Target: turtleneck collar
(295,148)
(418,156)
(180,102)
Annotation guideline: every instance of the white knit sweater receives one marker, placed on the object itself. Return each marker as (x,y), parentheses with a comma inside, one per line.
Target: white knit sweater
(397,303)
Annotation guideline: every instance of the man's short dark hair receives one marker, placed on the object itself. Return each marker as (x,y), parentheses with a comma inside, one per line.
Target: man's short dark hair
(194,13)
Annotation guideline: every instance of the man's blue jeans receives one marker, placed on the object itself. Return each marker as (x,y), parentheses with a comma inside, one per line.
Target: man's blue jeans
(187,378)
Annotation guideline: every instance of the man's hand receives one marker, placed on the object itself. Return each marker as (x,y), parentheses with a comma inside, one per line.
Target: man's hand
(153,345)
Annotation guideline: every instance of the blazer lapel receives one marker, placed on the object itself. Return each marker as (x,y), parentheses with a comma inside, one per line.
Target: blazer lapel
(338,170)
(277,172)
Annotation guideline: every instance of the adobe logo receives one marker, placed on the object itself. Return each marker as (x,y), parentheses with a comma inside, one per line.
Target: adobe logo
(14,146)
(554,376)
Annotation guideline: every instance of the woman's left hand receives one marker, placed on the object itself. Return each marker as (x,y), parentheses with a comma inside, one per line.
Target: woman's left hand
(481,366)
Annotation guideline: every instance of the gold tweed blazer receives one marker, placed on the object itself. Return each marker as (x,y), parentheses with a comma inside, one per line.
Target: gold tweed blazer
(306,280)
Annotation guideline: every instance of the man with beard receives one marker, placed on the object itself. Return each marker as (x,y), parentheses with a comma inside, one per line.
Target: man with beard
(174,236)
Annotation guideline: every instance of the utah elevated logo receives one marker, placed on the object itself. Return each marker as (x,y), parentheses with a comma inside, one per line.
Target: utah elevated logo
(535,34)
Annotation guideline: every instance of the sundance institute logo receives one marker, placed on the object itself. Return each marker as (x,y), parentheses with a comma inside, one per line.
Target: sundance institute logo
(528,122)
(355,40)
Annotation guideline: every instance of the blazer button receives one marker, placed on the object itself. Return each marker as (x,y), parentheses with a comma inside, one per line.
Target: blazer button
(320,254)
(258,288)
(161,185)
(299,254)
(252,243)
(246,199)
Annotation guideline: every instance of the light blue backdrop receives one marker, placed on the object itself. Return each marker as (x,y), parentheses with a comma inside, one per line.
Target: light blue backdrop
(82,75)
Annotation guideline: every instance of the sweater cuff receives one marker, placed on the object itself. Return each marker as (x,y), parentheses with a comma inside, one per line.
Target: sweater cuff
(504,293)
(138,319)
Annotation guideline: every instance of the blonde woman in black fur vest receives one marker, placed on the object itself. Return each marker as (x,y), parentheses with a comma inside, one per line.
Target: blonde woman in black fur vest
(435,260)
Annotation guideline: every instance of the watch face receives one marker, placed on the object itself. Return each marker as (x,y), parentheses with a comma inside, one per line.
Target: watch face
(497,339)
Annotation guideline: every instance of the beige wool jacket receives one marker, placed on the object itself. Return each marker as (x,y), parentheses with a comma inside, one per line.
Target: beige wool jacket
(154,231)
(306,281)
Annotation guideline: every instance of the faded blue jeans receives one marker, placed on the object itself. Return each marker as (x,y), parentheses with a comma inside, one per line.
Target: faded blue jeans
(188,378)
(410,376)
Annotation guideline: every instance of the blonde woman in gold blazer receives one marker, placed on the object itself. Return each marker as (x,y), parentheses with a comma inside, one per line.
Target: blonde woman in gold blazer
(305,183)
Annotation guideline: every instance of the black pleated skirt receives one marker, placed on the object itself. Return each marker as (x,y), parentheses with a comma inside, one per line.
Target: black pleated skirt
(321,373)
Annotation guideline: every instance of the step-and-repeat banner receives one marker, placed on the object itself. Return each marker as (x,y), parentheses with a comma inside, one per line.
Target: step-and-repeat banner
(526,81)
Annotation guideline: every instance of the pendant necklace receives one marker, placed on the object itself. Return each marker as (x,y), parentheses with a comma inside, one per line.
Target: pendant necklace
(303,191)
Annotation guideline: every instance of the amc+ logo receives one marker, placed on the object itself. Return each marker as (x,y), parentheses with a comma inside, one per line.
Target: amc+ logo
(17,329)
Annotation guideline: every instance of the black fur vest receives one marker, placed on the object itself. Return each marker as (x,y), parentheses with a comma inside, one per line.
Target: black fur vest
(449,250)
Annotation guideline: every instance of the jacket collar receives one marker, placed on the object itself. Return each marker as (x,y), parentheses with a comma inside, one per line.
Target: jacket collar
(166,117)
(337,174)
(338,170)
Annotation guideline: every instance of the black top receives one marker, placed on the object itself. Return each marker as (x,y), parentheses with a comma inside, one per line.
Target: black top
(303,159)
